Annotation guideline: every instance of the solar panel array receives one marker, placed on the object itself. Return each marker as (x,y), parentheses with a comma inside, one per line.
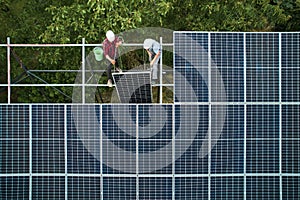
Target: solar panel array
(232,133)
(256,77)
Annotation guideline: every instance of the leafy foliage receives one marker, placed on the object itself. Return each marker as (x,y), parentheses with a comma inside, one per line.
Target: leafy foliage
(227,15)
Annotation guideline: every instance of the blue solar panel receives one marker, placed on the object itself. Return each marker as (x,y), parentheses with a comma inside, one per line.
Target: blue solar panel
(291,156)
(234,124)
(45,127)
(227,157)
(14,156)
(227,49)
(84,187)
(193,80)
(262,84)
(190,162)
(263,121)
(290,67)
(119,188)
(233,79)
(48,139)
(191,188)
(262,63)
(15,187)
(14,122)
(263,187)
(291,84)
(48,187)
(155,188)
(291,122)
(80,161)
(227,188)
(262,156)
(79,158)
(133,87)
(290,187)
(48,156)
(228,54)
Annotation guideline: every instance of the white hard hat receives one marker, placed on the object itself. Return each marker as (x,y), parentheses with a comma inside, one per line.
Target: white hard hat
(147,43)
(110,36)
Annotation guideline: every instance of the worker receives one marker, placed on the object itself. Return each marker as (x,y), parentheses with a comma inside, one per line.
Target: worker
(110,51)
(153,49)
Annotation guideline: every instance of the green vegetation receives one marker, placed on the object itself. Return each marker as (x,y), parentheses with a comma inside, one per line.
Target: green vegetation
(66,21)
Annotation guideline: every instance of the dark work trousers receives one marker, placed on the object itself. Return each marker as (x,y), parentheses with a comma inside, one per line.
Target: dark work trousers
(109,67)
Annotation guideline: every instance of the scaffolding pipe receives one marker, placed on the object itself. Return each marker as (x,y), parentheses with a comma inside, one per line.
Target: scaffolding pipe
(160,71)
(75,45)
(8,71)
(9,84)
(83,71)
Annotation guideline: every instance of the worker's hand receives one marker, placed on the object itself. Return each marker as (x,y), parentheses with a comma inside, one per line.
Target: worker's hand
(149,53)
(152,62)
(113,62)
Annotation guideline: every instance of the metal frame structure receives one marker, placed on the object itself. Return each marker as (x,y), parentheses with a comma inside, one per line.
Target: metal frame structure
(83,85)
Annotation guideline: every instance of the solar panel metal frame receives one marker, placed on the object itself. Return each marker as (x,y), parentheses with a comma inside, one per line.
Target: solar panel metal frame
(132,73)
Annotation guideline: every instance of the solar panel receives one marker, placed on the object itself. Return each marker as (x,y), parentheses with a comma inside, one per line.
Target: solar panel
(290,187)
(233,131)
(227,188)
(191,188)
(84,187)
(133,87)
(15,187)
(290,44)
(48,187)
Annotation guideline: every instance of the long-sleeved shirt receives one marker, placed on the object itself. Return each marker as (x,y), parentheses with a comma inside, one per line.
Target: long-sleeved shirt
(154,49)
(109,48)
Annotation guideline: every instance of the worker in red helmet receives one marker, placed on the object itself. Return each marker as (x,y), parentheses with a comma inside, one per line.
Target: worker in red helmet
(110,45)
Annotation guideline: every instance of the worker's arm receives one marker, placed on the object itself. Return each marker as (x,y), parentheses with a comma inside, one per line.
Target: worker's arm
(149,54)
(112,61)
(155,57)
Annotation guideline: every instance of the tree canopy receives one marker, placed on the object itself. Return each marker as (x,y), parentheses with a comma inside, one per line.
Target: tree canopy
(66,21)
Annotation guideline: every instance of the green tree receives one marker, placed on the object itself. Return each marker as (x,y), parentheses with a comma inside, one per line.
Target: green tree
(227,15)
(23,21)
(292,10)
(93,18)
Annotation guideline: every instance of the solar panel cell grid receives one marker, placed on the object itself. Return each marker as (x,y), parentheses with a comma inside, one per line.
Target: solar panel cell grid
(291,161)
(48,187)
(155,188)
(14,156)
(191,188)
(263,187)
(119,188)
(14,122)
(290,187)
(16,187)
(227,188)
(290,67)
(84,187)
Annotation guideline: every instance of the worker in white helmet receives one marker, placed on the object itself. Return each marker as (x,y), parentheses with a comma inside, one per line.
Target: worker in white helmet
(153,49)
(110,45)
